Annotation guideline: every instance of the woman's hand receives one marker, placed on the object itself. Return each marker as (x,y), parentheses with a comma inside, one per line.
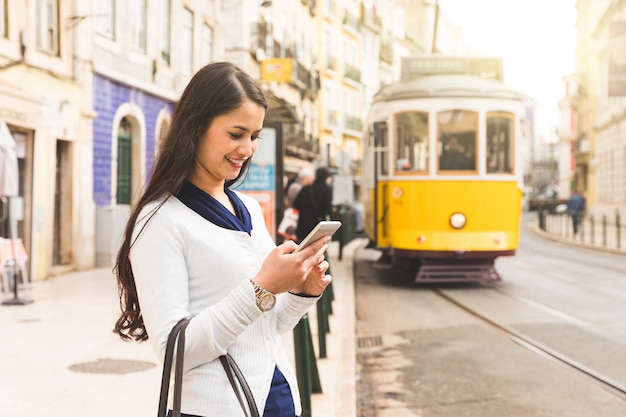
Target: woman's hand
(301,272)
(316,282)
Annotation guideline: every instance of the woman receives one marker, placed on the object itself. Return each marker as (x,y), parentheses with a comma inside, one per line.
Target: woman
(195,248)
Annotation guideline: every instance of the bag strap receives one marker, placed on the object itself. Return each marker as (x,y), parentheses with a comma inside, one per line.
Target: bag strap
(229,364)
(178,332)
(233,371)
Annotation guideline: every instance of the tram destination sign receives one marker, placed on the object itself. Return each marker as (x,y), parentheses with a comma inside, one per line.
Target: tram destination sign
(419,66)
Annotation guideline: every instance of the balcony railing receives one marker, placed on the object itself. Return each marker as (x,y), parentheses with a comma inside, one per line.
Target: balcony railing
(386,52)
(299,144)
(353,73)
(352,22)
(331,63)
(353,123)
(330,119)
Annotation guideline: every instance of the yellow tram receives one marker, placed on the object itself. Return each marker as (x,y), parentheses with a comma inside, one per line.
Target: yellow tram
(443,171)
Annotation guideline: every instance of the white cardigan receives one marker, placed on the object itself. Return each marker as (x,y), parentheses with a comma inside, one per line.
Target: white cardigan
(184,265)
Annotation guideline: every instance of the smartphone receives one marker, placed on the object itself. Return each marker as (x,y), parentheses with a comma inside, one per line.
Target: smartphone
(323,228)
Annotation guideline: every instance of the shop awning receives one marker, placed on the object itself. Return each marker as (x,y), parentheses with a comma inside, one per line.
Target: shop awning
(294,165)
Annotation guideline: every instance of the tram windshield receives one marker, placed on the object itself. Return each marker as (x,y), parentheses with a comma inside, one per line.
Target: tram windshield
(500,143)
(457,140)
(411,150)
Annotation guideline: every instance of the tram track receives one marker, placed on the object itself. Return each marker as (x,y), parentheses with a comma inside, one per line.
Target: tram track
(539,348)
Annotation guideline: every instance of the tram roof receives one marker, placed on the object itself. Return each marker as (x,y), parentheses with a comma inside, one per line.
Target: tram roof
(449,85)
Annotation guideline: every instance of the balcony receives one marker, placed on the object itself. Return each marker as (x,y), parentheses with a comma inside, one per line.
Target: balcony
(330,119)
(374,22)
(310,4)
(352,22)
(352,73)
(386,52)
(353,123)
(331,63)
(300,145)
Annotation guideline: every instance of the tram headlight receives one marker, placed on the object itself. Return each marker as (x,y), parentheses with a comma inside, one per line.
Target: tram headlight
(458,220)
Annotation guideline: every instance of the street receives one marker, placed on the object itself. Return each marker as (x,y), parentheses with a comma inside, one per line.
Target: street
(421,353)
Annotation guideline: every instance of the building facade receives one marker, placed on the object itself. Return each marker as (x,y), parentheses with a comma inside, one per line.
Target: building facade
(43,102)
(600,102)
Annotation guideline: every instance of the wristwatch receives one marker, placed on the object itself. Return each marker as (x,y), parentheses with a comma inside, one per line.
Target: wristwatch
(265,300)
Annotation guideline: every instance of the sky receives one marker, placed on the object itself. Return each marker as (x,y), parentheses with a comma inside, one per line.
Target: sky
(535,38)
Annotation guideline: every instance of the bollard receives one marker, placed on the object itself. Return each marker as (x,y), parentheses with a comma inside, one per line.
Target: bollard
(604,230)
(342,231)
(306,366)
(542,220)
(618,227)
(581,229)
(331,297)
(329,290)
(322,324)
(324,310)
(592,227)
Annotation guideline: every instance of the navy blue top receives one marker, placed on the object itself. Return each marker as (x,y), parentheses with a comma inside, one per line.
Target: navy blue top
(208,207)
(279,401)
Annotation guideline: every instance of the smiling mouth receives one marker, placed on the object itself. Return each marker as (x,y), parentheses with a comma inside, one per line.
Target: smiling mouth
(237,162)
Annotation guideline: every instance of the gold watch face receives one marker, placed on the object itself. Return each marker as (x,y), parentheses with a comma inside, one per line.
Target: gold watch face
(266,301)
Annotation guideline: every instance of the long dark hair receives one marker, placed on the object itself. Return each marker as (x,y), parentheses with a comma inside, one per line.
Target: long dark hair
(216,89)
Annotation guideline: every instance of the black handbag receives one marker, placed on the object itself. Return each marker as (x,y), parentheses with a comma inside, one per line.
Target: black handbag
(230,366)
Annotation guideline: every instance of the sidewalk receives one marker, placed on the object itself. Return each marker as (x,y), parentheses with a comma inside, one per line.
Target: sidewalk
(59,356)
(597,234)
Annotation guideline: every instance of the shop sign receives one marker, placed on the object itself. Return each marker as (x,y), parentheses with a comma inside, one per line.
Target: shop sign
(13,116)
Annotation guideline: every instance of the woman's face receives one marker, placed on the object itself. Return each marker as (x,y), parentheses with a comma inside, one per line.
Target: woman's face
(228,142)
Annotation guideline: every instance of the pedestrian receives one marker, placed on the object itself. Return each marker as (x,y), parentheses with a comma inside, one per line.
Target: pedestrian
(314,203)
(576,207)
(305,177)
(194,247)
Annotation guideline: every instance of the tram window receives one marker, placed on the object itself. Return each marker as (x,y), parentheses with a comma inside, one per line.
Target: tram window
(457,140)
(382,144)
(499,143)
(411,146)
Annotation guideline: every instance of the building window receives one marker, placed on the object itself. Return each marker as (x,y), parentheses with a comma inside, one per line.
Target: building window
(3,19)
(186,45)
(48,26)
(138,25)
(106,18)
(167,32)
(207,44)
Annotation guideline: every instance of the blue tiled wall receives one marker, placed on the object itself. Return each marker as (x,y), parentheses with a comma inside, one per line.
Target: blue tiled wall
(108,97)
